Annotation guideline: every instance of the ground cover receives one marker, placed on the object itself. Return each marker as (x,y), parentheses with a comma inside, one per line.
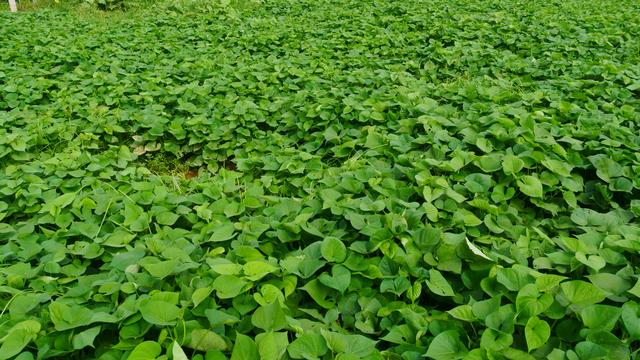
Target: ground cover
(321,179)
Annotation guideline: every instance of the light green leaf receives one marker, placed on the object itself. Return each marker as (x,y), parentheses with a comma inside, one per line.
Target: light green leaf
(593,261)
(269,317)
(581,293)
(333,250)
(548,282)
(228,286)
(177,352)
(397,285)
(591,351)
(309,346)
(438,284)
(318,293)
(244,348)
(475,250)
(530,302)
(199,295)
(256,270)
(631,319)
(635,290)
(159,312)
(85,338)
(511,164)
(559,167)
(482,309)
(530,186)
(606,168)
(536,333)
(147,350)
(205,340)
(610,284)
(222,232)
(446,346)
(69,316)
(18,337)
(463,312)
(600,317)
(339,279)
(59,203)
(478,183)
(357,345)
(135,217)
(167,218)
(272,345)
(161,269)
(513,278)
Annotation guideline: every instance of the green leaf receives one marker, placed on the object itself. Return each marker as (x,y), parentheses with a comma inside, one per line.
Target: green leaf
(396,285)
(438,284)
(199,295)
(469,219)
(329,197)
(167,218)
(478,183)
(60,203)
(228,286)
(135,217)
(357,345)
(339,279)
(476,251)
(272,345)
(463,312)
(161,269)
(446,346)
(606,168)
(333,250)
(269,317)
(512,164)
(610,284)
(147,350)
(548,282)
(635,290)
(426,238)
(559,167)
(24,303)
(218,317)
(177,352)
(593,261)
(581,293)
(616,348)
(513,278)
(600,317)
(318,293)
(309,346)
(85,338)
(18,337)
(244,348)
(482,309)
(159,312)
(589,350)
(222,232)
(206,340)
(69,316)
(256,270)
(530,186)
(630,316)
(495,341)
(530,302)
(536,332)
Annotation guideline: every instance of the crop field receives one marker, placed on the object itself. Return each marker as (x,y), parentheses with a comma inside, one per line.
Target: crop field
(298,179)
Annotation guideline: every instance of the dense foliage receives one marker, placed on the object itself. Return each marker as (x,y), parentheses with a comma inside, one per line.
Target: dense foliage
(322,179)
